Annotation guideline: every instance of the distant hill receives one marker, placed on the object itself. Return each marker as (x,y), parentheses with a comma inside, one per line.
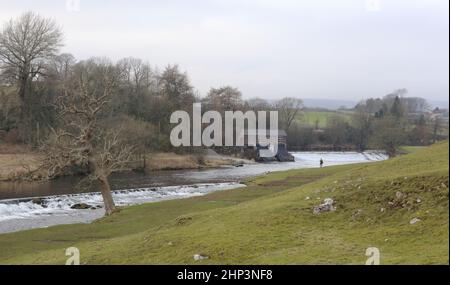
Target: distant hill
(439,104)
(334,104)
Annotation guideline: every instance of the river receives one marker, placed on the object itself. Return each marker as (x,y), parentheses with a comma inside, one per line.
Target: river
(19,211)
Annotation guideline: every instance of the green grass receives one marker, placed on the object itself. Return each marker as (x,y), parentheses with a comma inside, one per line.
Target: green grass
(271,221)
(309,118)
(409,149)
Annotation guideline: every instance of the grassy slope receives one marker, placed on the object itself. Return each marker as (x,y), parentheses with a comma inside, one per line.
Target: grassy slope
(271,221)
(409,149)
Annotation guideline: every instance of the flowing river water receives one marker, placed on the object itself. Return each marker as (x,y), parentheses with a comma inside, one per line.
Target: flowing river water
(20,210)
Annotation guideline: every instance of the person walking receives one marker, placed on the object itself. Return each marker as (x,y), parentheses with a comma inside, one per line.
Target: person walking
(321,163)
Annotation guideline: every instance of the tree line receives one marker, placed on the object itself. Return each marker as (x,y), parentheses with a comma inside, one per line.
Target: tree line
(34,76)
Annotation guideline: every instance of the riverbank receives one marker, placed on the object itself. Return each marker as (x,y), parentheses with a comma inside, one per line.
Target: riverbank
(399,206)
(16,161)
(172,161)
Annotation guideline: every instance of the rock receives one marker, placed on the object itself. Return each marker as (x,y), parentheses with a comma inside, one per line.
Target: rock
(307,198)
(382,210)
(327,206)
(357,213)
(183,220)
(198,257)
(38,201)
(419,200)
(414,221)
(81,206)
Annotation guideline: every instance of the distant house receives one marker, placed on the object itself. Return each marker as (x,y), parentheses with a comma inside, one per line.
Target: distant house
(275,141)
(441,114)
(251,135)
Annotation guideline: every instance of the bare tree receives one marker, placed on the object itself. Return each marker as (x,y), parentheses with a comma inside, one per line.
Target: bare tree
(80,141)
(362,122)
(288,109)
(225,98)
(337,128)
(136,73)
(258,104)
(61,66)
(176,87)
(26,43)
(388,135)
(437,126)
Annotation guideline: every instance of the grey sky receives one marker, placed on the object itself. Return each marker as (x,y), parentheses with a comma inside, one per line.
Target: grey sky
(347,49)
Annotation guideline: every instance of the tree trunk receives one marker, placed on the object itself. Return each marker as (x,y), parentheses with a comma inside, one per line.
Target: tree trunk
(105,189)
(24,118)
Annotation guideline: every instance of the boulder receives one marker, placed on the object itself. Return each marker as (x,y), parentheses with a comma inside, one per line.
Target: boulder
(198,257)
(38,201)
(326,206)
(399,195)
(414,221)
(81,206)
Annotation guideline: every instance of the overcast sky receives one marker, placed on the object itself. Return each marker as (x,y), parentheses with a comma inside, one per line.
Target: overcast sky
(347,49)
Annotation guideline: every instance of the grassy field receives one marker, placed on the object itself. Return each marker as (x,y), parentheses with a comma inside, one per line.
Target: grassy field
(309,118)
(271,221)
